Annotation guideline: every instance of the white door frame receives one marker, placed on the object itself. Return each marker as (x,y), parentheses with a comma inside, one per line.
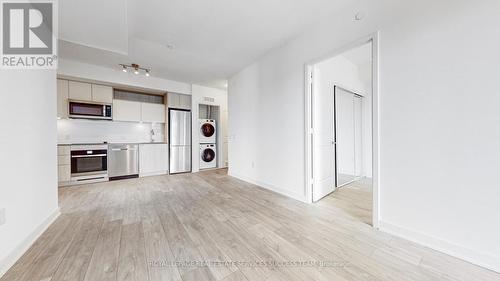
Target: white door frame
(309,126)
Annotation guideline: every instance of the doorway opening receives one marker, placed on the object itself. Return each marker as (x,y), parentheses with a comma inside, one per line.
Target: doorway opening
(341,133)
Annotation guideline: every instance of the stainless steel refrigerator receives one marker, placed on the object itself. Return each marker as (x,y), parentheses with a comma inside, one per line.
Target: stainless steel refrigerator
(179,127)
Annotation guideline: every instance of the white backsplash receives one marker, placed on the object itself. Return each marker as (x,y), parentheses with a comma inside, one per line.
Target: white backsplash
(90,131)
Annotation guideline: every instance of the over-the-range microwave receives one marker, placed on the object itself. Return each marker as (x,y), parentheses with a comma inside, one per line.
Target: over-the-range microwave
(90,110)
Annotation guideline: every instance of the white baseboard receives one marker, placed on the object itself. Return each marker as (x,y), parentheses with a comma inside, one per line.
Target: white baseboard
(159,173)
(299,197)
(481,259)
(17,253)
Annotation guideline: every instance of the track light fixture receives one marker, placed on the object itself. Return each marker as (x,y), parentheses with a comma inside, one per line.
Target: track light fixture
(136,69)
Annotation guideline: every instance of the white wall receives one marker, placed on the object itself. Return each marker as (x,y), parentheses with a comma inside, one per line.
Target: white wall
(69,68)
(28,161)
(439,142)
(199,95)
(91,131)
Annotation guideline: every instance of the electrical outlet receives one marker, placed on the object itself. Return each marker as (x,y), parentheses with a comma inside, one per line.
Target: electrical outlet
(3,219)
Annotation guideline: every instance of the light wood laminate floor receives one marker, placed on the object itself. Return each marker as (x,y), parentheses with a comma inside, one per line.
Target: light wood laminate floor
(136,229)
(356,199)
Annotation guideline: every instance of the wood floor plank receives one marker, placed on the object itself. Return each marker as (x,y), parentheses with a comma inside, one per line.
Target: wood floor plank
(75,263)
(236,276)
(132,264)
(157,249)
(198,274)
(45,264)
(25,262)
(104,262)
(140,229)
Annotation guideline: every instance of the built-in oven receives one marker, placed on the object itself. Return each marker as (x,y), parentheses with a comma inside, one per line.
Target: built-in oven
(90,110)
(89,163)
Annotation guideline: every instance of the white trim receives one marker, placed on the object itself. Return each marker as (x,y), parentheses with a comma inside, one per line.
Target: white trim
(308,132)
(270,187)
(481,259)
(375,130)
(19,251)
(149,174)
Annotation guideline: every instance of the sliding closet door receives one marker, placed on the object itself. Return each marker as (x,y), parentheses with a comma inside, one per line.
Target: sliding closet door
(358,142)
(348,133)
(345,136)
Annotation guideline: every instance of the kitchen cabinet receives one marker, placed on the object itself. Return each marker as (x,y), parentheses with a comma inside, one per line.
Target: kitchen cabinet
(179,101)
(152,112)
(64,174)
(185,101)
(124,110)
(62,98)
(153,159)
(102,93)
(173,100)
(80,91)
(63,164)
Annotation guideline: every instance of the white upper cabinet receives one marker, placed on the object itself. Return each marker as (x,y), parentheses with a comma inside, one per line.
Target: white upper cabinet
(152,112)
(185,101)
(126,111)
(90,92)
(80,91)
(102,93)
(62,98)
(178,101)
(173,100)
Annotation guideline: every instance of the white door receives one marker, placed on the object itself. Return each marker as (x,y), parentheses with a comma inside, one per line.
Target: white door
(323,138)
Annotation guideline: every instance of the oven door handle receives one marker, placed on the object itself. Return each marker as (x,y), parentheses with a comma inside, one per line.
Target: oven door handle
(88,156)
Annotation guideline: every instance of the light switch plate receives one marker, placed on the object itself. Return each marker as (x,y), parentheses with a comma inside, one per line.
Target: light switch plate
(3,219)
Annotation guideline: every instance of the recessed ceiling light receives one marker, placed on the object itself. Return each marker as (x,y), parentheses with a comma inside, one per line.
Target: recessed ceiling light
(147,72)
(170,46)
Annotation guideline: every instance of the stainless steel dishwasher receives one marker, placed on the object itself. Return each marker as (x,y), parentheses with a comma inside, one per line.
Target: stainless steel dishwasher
(123,161)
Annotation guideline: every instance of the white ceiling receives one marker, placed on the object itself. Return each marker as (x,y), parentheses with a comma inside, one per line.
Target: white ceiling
(213,39)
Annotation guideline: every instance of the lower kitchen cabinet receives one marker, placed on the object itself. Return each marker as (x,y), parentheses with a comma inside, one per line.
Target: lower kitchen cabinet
(64,174)
(153,159)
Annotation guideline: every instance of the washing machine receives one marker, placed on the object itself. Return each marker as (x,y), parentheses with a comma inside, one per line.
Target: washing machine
(208,131)
(208,156)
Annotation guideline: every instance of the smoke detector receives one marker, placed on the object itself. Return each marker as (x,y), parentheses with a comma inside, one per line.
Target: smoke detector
(359,16)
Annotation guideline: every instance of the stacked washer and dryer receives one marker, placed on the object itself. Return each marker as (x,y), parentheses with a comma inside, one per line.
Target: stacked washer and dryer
(208,144)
